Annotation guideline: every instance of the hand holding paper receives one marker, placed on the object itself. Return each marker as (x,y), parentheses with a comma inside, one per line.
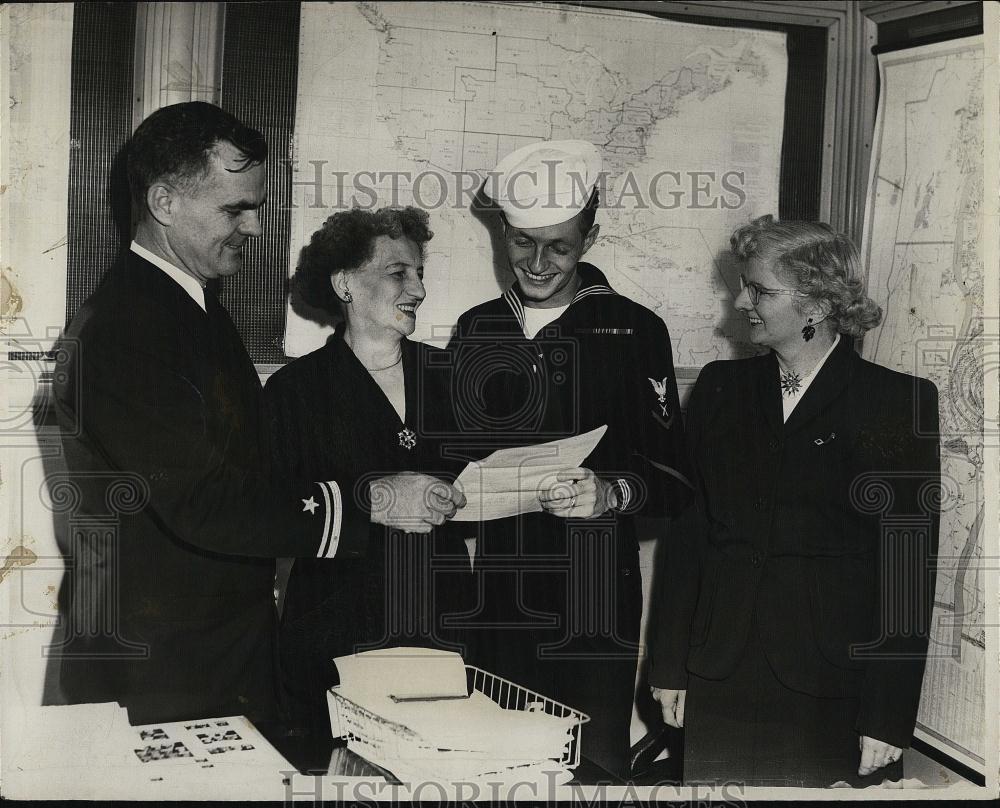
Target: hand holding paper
(414,502)
(511,481)
(577,493)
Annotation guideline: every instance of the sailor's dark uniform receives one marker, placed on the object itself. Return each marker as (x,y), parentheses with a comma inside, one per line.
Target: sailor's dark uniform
(560,599)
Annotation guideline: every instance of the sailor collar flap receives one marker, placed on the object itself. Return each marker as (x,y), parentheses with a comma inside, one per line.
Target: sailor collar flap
(592,282)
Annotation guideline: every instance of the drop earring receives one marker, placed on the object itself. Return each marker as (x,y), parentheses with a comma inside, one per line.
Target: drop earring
(808,330)
(348,297)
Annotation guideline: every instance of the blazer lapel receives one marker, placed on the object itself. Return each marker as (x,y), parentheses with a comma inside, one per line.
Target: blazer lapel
(769,393)
(359,380)
(154,284)
(829,382)
(412,376)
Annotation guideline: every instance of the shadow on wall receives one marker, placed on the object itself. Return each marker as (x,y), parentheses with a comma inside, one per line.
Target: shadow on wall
(85,652)
(311,313)
(120,200)
(119,207)
(487,212)
(731,325)
(54,466)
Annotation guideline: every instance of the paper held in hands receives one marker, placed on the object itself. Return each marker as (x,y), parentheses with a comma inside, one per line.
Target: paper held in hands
(508,481)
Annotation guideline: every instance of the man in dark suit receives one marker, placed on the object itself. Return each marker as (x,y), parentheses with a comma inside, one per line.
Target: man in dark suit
(169,605)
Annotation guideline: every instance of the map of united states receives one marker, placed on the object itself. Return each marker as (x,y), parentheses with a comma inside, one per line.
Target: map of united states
(688,118)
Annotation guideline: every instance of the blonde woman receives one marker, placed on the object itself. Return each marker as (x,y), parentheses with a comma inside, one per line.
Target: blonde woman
(791,637)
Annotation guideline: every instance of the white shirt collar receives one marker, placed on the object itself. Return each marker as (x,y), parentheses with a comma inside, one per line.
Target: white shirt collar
(185,281)
(788,403)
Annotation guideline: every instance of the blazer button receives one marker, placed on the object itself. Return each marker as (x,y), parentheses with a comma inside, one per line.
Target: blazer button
(756,558)
(774,445)
(760,504)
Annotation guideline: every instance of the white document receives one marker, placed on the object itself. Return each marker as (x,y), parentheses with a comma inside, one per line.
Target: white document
(422,721)
(508,482)
(101,756)
(403,672)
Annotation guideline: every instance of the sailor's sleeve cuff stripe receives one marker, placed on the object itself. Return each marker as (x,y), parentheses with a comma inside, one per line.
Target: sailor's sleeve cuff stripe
(332,519)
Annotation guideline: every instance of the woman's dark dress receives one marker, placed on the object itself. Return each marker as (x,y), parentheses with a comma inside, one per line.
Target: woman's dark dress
(329,420)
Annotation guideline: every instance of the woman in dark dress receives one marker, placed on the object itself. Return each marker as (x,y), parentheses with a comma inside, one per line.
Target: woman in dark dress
(366,403)
(797,590)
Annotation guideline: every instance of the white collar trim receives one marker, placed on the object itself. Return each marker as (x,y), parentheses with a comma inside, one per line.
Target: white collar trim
(788,403)
(514,301)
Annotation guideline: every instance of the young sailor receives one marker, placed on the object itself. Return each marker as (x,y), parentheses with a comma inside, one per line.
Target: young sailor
(559,354)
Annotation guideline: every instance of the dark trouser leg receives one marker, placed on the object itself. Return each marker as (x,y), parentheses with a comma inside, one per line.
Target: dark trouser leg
(590,659)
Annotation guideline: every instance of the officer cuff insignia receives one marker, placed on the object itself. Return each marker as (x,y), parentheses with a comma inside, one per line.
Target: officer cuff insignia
(333,519)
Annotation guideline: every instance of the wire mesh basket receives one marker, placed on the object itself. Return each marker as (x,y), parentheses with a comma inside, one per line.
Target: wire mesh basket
(399,749)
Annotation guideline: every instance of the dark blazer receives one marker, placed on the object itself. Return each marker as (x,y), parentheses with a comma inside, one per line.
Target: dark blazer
(824,527)
(327,418)
(169,606)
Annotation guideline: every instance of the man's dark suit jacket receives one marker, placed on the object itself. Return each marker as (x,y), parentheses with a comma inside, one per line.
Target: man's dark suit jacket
(825,527)
(169,599)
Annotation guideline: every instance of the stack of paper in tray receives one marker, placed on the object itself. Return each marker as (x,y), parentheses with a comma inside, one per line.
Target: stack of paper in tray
(459,736)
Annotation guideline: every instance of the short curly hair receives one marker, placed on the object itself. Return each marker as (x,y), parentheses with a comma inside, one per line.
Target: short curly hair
(816,260)
(345,242)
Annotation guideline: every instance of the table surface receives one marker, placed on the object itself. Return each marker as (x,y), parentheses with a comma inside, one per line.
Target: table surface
(334,758)
(50,762)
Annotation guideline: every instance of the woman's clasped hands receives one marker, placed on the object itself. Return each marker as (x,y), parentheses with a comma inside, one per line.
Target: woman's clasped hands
(416,503)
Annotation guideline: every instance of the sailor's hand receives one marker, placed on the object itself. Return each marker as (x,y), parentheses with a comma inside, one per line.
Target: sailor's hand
(578,493)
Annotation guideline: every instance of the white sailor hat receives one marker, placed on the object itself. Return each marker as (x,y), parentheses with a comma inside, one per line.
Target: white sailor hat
(545,183)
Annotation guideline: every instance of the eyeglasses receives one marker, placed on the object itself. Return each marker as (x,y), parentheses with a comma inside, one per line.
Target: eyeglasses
(755,290)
